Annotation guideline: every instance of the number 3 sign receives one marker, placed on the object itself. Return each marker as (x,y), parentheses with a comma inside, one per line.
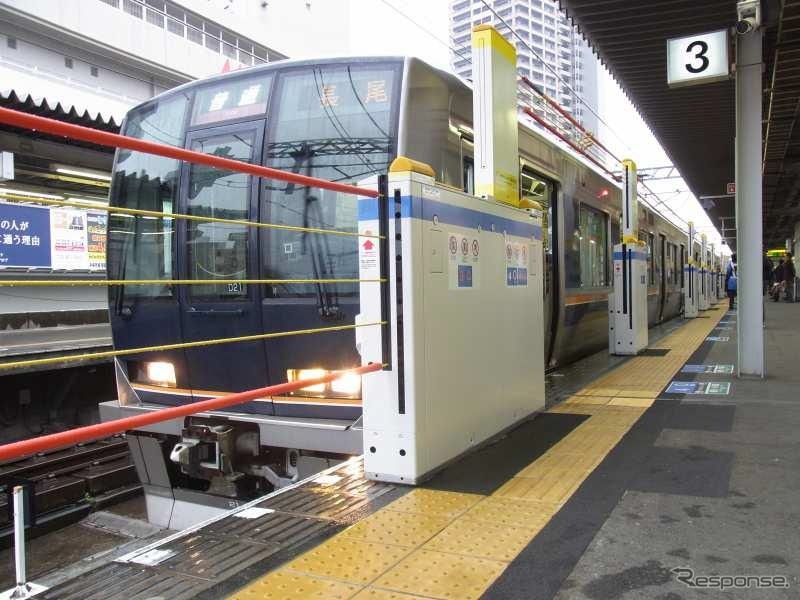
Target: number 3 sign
(698,59)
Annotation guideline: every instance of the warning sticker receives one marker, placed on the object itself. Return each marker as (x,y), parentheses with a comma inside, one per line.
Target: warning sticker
(712,369)
(517,264)
(368,265)
(464,255)
(717,388)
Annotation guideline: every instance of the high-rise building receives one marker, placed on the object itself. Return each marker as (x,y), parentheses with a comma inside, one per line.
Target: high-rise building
(553,56)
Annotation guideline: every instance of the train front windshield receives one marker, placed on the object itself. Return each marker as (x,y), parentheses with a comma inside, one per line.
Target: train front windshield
(333,121)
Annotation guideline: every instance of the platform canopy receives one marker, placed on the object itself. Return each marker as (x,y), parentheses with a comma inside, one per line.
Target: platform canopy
(696,125)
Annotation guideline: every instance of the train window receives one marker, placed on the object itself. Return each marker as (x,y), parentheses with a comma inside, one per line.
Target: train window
(468,175)
(651,259)
(593,238)
(142,247)
(334,122)
(219,250)
(539,190)
(232,100)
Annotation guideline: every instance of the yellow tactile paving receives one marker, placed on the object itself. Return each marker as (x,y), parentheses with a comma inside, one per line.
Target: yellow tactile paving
(632,402)
(348,560)
(555,463)
(398,528)
(434,544)
(530,516)
(372,593)
(481,539)
(442,575)
(545,489)
(280,585)
(592,441)
(434,502)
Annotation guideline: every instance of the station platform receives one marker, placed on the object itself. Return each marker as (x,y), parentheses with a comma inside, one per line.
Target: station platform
(662,461)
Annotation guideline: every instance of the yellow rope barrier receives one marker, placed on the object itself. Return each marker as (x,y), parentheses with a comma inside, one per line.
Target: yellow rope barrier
(110,282)
(154,213)
(178,346)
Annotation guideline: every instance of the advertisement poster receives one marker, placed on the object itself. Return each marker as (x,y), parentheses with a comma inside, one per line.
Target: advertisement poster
(97,223)
(24,236)
(68,239)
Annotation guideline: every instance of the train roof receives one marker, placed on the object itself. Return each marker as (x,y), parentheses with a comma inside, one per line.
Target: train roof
(454,80)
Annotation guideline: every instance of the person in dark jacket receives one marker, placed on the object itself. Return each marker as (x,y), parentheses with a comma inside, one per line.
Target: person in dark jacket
(767,274)
(731,282)
(788,277)
(777,278)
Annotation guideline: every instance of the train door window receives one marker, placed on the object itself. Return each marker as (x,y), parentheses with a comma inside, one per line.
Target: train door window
(683,262)
(677,267)
(141,247)
(651,255)
(593,244)
(219,250)
(335,122)
(540,190)
(668,263)
(468,175)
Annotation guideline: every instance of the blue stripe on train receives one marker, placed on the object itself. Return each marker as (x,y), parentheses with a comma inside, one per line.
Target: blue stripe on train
(450,215)
(636,255)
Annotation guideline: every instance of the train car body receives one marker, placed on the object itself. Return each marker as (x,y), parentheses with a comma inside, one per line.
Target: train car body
(337,119)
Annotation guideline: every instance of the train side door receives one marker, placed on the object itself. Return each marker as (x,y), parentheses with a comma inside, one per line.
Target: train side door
(227,252)
(542,190)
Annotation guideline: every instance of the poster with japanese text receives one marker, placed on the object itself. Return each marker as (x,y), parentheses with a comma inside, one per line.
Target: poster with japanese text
(97,223)
(68,239)
(24,236)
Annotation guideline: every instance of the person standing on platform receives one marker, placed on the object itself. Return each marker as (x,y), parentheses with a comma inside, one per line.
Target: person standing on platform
(767,274)
(777,277)
(731,282)
(788,278)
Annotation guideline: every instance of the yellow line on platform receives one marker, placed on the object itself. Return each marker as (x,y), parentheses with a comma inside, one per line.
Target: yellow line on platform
(449,545)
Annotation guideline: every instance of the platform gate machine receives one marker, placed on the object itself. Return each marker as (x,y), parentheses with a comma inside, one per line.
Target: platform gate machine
(464,306)
(627,322)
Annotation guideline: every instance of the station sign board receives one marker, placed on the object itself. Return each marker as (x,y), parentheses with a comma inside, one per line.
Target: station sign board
(697,59)
(61,239)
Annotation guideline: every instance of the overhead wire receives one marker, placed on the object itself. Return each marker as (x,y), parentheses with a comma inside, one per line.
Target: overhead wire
(553,71)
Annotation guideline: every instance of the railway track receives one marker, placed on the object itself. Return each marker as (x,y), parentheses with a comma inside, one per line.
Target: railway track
(67,484)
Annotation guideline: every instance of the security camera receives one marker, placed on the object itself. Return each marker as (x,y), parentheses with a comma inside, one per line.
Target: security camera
(749,16)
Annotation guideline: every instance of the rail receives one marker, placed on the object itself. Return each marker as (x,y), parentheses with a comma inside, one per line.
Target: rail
(52,441)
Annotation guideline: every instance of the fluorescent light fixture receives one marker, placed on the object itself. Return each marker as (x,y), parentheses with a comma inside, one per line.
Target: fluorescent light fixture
(79,173)
(100,203)
(31,194)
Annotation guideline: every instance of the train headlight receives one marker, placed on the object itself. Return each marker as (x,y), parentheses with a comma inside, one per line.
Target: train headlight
(348,385)
(299,374)
(160,373)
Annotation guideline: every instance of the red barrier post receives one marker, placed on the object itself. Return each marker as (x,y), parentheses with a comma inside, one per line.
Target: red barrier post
(115,140)
(91,432)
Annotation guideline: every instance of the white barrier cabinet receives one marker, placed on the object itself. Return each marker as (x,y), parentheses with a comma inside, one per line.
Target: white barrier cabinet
(466,325)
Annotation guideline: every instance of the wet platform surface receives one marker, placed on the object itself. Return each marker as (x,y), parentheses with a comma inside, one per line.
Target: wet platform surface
(598,498)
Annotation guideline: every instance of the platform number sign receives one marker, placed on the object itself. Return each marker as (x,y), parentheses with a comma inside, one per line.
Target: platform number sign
(696,59)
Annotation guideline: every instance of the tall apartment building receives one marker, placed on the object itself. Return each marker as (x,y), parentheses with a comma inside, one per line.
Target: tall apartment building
(550,41)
